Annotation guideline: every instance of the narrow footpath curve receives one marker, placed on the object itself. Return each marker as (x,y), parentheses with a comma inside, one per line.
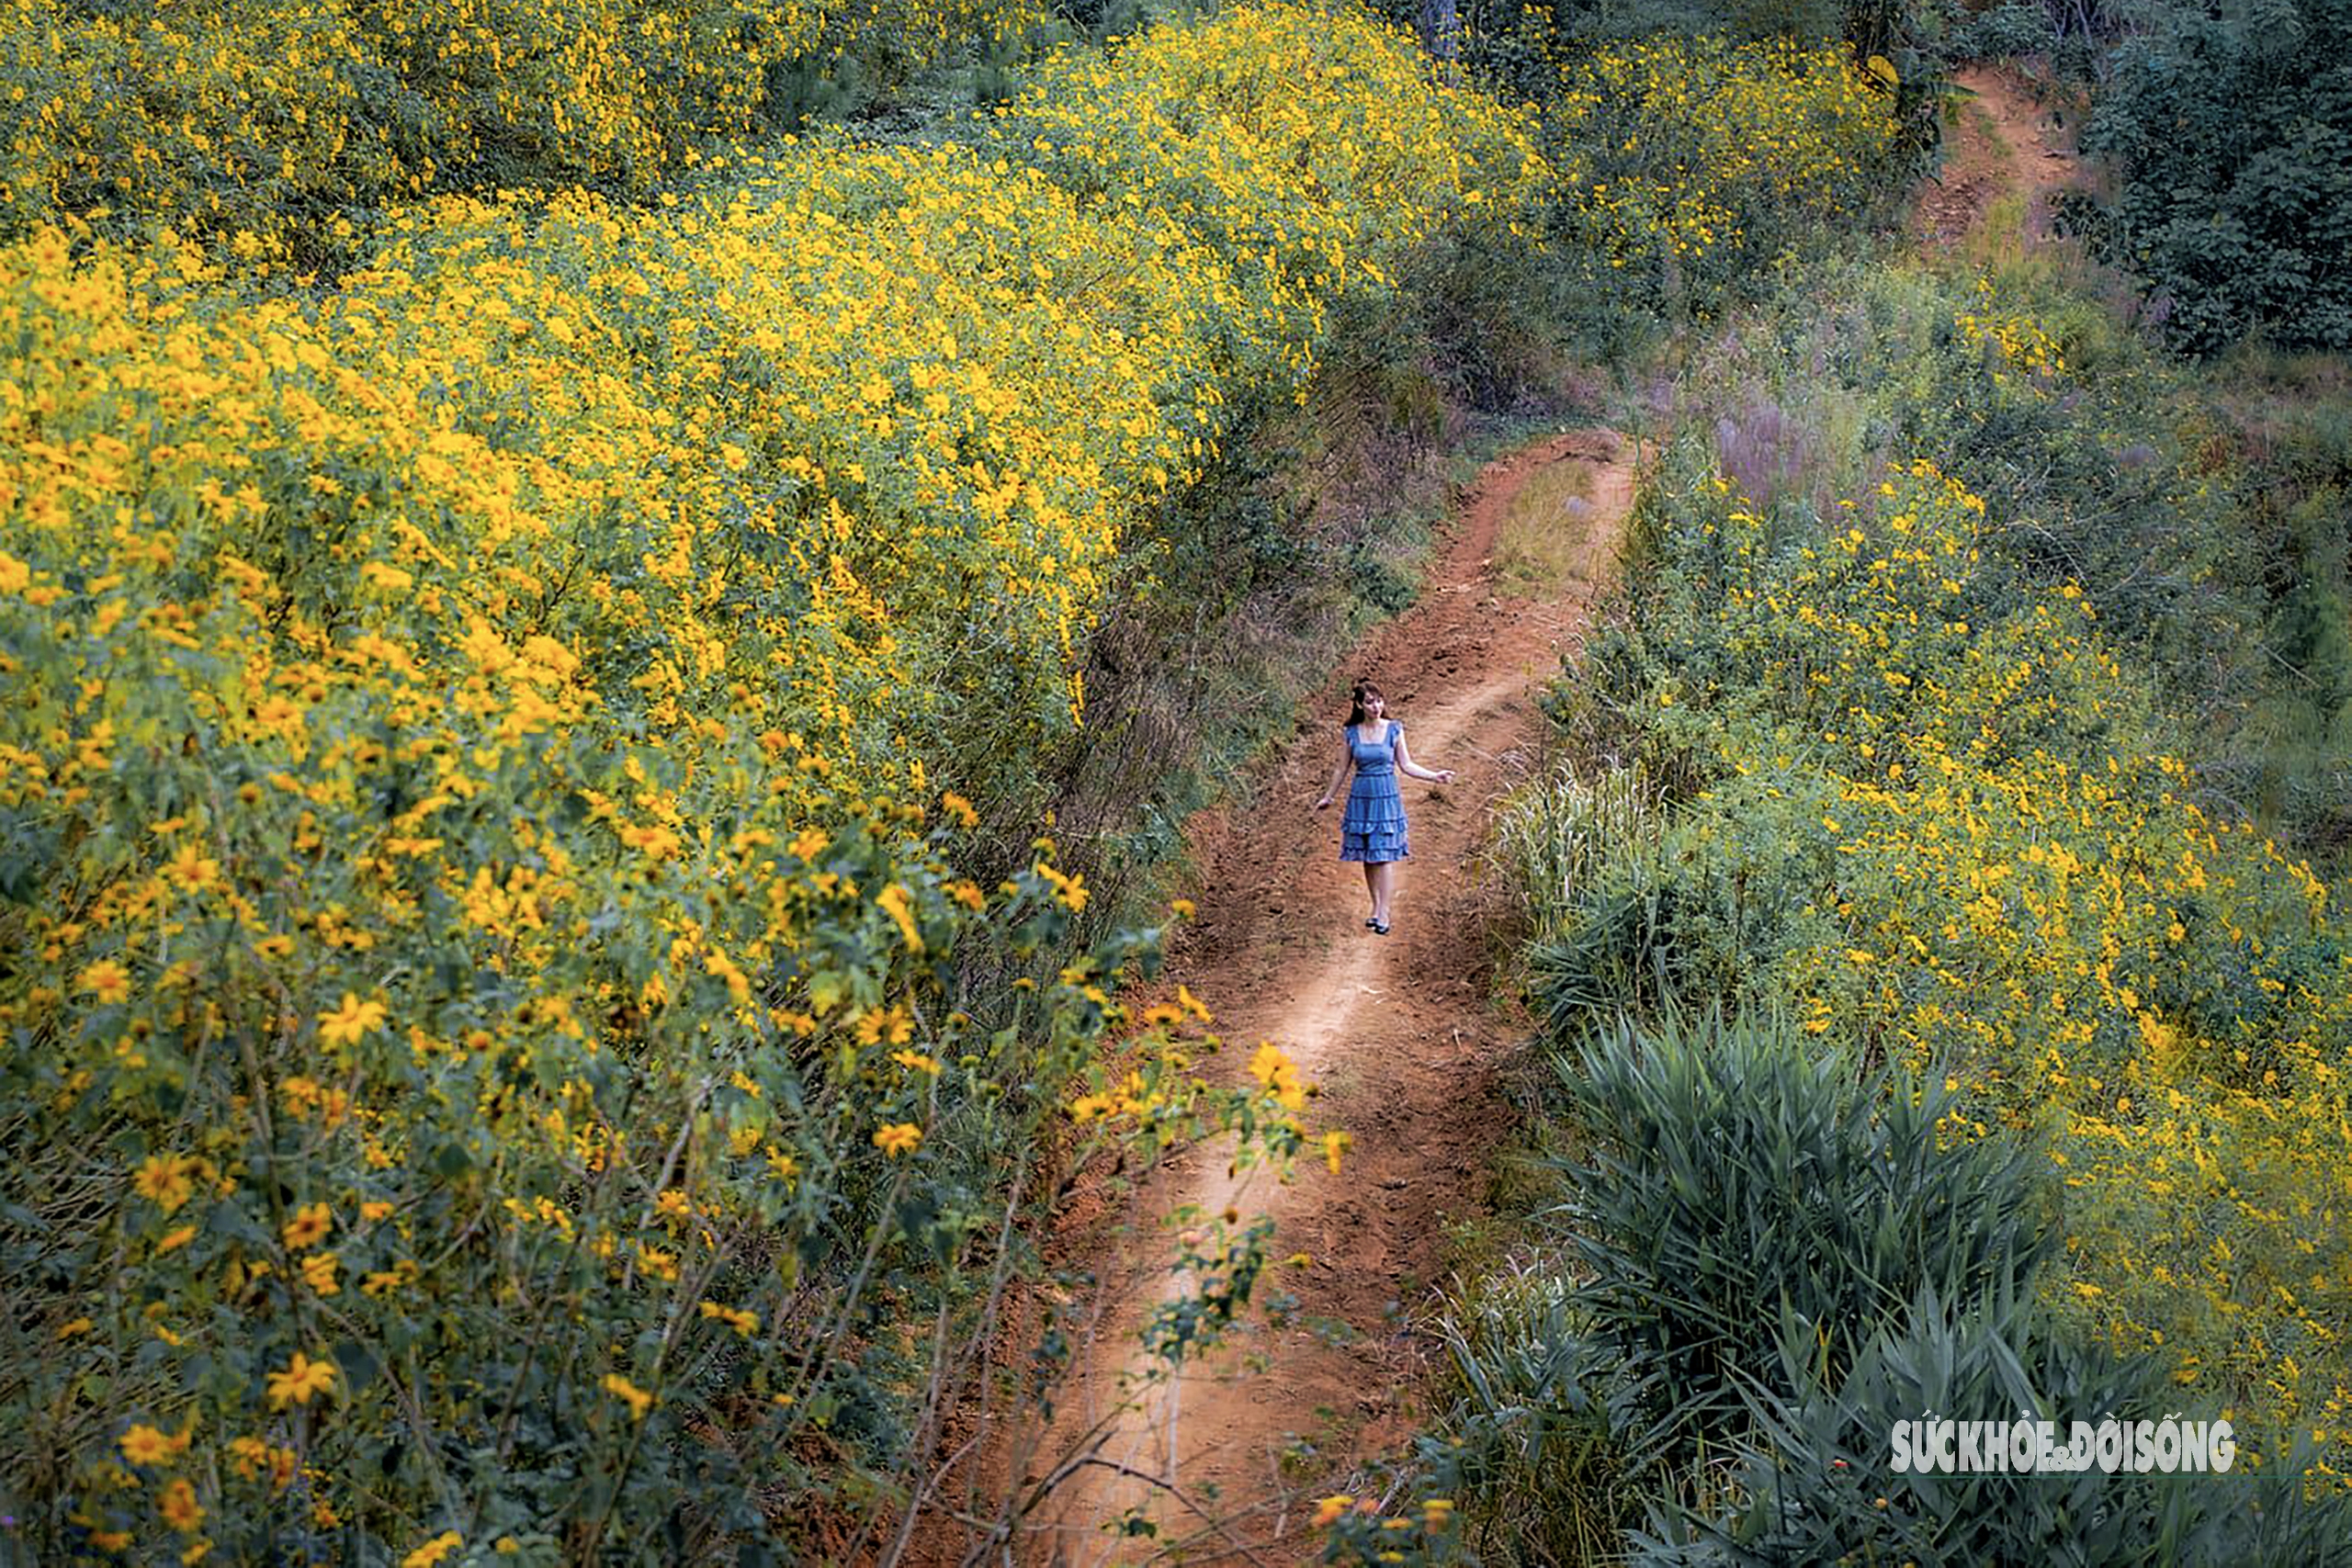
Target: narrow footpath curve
(2002,140)
(1397,1032)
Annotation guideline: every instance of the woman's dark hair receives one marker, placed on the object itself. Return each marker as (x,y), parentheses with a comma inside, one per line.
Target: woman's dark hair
(1364,689)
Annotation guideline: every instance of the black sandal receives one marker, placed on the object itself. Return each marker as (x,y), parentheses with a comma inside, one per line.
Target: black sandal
(1380,928)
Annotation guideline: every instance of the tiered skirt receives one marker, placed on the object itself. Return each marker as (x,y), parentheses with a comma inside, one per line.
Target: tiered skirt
(1373,830)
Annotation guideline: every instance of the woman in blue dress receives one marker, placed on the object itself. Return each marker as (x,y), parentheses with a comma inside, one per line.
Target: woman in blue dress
(1373,830)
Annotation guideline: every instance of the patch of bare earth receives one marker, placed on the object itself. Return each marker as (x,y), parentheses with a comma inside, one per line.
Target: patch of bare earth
(2005,139)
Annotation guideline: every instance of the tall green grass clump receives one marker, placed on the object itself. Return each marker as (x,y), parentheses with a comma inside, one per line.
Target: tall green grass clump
(1774,1260)
(1735,1185)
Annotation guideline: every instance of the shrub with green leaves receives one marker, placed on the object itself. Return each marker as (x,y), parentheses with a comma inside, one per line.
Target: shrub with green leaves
(1779,1260)
(2229,132)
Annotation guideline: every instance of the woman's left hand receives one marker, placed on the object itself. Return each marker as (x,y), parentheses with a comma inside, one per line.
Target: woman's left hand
(1445,776)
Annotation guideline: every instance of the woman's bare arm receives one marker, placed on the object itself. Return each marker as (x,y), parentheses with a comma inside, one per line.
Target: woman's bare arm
(1339,777)
(1406,765)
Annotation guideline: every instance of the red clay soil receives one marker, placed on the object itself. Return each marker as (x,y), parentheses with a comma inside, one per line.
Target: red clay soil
(1398,1033)
(2002,139)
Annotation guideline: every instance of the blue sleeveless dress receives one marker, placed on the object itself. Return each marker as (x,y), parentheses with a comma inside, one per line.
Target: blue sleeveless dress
(1373,830)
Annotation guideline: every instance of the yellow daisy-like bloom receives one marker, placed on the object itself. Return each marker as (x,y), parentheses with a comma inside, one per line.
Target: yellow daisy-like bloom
(167,1180)
(350,1023)
(147,1445)
(307,1227)
(1272,1067)
(434,1551)
(107,980)
(179,1507)
(193,870)
(256,1458)
(279,716)
(742,1321)
(893,902)
(655,842)
(637,1400)
(318,1272)
(1070,890)
(895,1138)
(302,1379)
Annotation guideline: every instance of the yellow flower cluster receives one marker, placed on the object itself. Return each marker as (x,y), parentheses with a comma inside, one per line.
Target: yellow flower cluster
(1313,181)
(1697,149)
(2006,881)
(465,837)
(254,115)
(2014,336)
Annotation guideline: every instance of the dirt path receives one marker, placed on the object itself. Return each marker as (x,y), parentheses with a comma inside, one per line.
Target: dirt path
(1399,1033)
(1396,1032)
(2004,141)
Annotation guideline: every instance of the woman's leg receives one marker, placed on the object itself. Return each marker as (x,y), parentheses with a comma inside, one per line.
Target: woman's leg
(1384,886)
(1372,886)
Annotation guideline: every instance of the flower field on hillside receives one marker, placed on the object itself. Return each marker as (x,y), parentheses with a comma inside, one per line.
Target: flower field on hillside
(1943,835)
(488,1055)
(521,1036)
(266,119)
(1698,160)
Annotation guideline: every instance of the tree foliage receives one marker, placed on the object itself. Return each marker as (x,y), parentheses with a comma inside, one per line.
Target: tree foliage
(2229,132)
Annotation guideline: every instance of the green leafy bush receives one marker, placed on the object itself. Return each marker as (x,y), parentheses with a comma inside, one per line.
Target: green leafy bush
(2229,132)
(1779,1260)
(1535,1434)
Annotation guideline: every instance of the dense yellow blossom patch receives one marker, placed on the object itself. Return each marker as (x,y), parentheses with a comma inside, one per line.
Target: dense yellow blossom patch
(1946,835)
(1313,182)
(1705,156)
(476,914)
(281,122)
(263,116)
